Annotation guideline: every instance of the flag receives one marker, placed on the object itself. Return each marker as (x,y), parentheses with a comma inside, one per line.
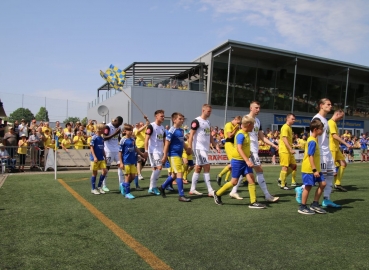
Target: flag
(120,75)
(109,76)
(114,76)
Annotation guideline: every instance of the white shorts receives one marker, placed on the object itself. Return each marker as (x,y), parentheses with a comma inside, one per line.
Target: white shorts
(255,159)
(111,157)
(201,157)
(327,163)
(155,159)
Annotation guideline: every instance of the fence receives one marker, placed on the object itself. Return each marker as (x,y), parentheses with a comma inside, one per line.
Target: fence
(58,109)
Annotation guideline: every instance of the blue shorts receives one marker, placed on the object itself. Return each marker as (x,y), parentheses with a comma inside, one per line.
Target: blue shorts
(239,168)
(308,179)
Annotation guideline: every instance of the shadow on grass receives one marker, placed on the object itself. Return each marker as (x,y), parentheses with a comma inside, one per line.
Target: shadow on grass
(353,188)
(348,201)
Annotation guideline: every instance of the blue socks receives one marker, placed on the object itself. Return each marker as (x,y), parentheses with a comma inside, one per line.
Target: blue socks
(167,182)
(93,180)
(180,186)
(127,187)
(102,177)
(136,180)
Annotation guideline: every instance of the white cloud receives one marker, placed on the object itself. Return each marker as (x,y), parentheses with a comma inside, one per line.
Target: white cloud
(339,25)
(224,31)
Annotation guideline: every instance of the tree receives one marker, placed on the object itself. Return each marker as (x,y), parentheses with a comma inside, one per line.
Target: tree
(42,115)
(84,121)
(21,113)
(71,119)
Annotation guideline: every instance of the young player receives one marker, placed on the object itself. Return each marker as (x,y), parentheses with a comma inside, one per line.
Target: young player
(200,140)
(286,153)
(174,144)
(241,164)
(310,169)
(256,134)
(139,134)
(187,161)
(230,130)
(128,160)
(326,158)
(154,146)
(97,158)
(334,147)
(112,133)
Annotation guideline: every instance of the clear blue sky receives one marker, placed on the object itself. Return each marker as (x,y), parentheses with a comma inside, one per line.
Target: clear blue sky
(55,49)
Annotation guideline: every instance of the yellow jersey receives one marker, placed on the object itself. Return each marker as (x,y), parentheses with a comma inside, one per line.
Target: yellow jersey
(229,127)
(140,138)
(302,144)
(47,140)
(23,149)
(66,143)
(312,149)
(241,137)
(78,142)
(286,131)
(334,145)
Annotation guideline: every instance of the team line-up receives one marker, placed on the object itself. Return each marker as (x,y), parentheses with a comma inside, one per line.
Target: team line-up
(322,164)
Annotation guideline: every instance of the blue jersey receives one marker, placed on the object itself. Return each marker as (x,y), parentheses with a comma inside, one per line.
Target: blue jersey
(363,143)
(98,144)
(176,138)
(127,147)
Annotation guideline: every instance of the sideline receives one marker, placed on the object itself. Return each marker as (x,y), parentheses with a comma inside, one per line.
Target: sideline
(141,250)
(3,177)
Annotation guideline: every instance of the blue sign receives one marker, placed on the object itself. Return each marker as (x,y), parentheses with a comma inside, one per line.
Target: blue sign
(280,119)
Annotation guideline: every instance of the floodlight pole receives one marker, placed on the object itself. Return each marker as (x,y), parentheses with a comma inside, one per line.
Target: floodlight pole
(294,86)
(226,101)
(344,109)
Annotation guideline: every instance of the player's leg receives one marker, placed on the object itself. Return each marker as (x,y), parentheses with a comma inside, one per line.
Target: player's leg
(341,169)
(93,168)
(308,181)
(327,167)
(101,166)
(178,169)
(318,193)
(252,190)
(196,174)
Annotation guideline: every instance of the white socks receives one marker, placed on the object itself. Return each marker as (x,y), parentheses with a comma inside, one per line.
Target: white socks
(120,176)
(235,188)
(195,179)
(207,182)
(261,181)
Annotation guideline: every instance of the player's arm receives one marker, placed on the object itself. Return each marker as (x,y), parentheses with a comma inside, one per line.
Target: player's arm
(311,152)
(285,140)
(266,140)
(338,138)
(106,133)
(149,131)
(165,151)
(121,147)
(194,126)
(240,138)
(93,153)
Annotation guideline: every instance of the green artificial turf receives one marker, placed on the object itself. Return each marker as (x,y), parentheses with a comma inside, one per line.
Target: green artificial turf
(44,227)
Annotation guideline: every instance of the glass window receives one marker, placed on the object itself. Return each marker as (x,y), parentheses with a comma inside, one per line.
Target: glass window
(243,86)
(266,88)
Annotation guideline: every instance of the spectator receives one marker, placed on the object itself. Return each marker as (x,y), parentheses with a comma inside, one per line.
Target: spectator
(41,144)
(79,141)
(22,151)
(23,128)
(33,141)
(141,82)
(10,141)
(68,130)
(66,142)
(4,156)
(16,129)
(2,129)
(33,125)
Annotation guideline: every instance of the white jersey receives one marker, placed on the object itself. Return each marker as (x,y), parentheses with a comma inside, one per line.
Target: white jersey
(156,140)
(254,136)
(111,145)
(201,138)
(323,139)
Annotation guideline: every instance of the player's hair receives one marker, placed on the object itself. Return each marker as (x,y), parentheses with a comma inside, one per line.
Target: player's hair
(290,114)
(246,120)
(316,123)
(206,106)
(159,111)
(128,127)
(340,111)
(255,102)
(238,117)
(100,126)
(175,115)
(120,119)
(322,101)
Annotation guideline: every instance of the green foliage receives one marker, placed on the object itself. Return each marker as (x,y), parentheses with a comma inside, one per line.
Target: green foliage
(71,119)
(84,121)
(21,113)
(42,115)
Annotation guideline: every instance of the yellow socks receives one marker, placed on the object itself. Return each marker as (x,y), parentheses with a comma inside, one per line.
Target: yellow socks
(252,192)
(225,170)
(224,188)
(339,176)
(294,177)
(185,171)
(283,176)
(227,176)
